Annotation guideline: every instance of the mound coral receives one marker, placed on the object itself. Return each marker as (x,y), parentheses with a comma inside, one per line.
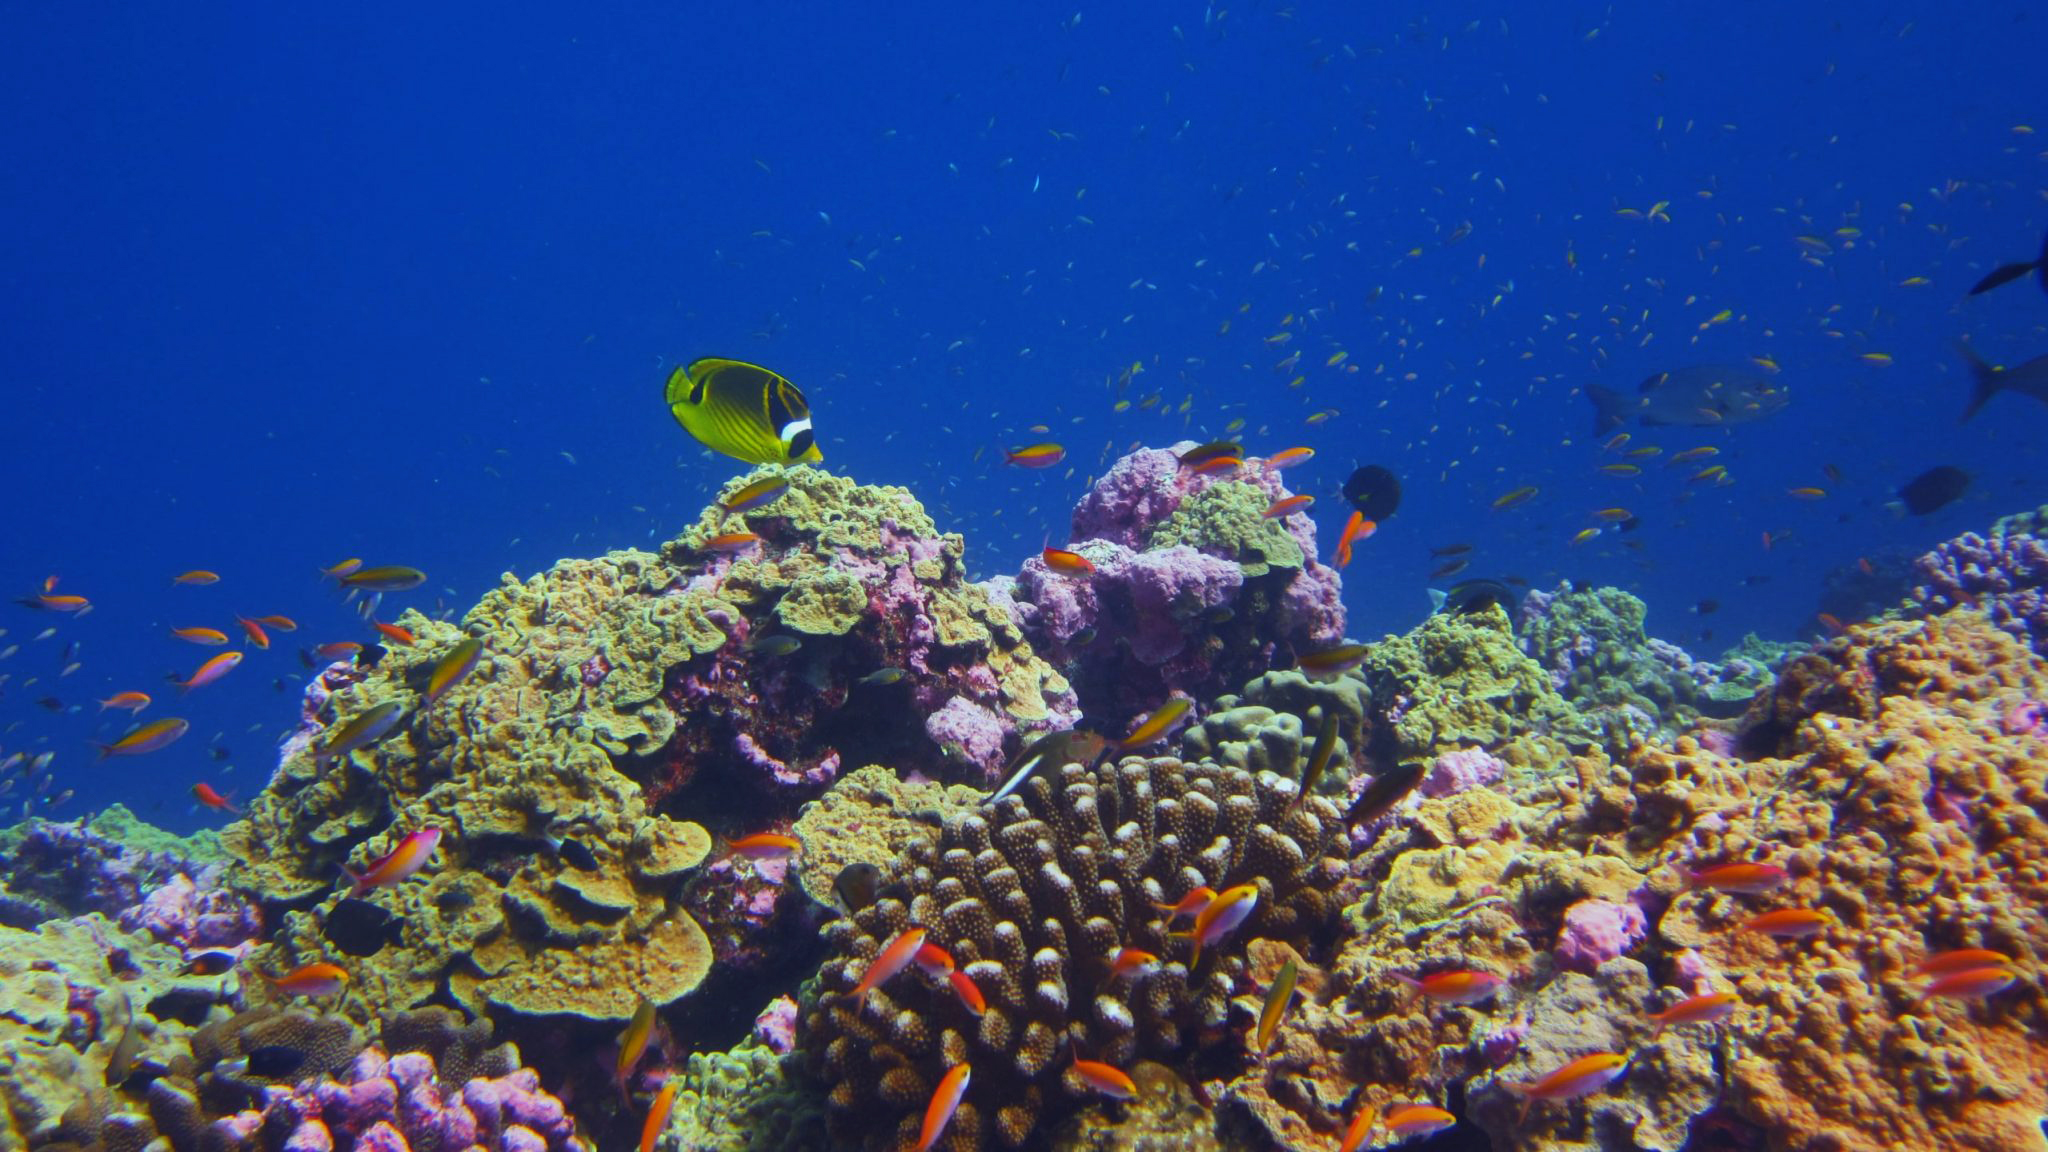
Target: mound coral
(2006,575)
(1032,899)
(107,865)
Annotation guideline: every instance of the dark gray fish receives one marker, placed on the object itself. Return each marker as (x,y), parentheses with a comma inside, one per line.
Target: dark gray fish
(2007,273)
(1385,791)
(1700,396)
(576,854)
(1988,380)
(270,1062)
(211,962)
(857,884)
(1470,596)
(1934,489)
(1052,750)
(883,677)
(777,645)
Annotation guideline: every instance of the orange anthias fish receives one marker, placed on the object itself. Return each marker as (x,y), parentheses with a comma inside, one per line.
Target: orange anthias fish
(278,623)
(945,1101)
(257,636)
(765,846)
(149,738)
(1288,505)
(210,671)
(1789,923)
(395,866)
(1581,1077)
(132,701)
(933,959)
(1969,984)
(1220,917)
(633,1041)
(211,637)
(1360,1128)
(1190,905)
(345,568)
(657,1113)
(207,797)
(76,605)
(1107,1079)
(1332,662)
(1126,961)
(730,542)
(1355,529)
(453,668)
(1218,466)
(1962,959)
(1071,563)
(1748,879)
(1411,1120)
(1459,986)
(400,636)
(1159,725)
(1035,456)
(1711,1008)
(968,992)
(893,958)
(197,577)
(316,979)
(1289,458)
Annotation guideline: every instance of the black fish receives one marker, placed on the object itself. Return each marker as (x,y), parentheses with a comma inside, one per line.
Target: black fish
(2028,379)
(270,1062)
(1213,450)
(1374,491)
(360,928)
(856,885)
(576,854)
(1385,791)
(211,962)
(2007,273)
(1470,597)
(1934,489)
(1700,396)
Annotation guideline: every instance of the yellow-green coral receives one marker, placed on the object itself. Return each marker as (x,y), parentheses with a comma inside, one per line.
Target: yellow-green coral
(1229,519)
(744,1100)
(1460,681)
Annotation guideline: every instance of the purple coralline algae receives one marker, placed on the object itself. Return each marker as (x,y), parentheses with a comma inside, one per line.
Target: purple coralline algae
(1596,931)
(2005,575)
(1462,770)
(396,1104)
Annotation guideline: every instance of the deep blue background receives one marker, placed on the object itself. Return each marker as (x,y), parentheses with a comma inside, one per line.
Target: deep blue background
(282,288)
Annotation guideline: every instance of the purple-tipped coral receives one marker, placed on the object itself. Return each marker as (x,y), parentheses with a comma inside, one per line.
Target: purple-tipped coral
(398,1104)
(2006,576)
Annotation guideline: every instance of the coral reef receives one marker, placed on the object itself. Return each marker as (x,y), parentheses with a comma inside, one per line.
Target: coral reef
(107,865)
(1193,589)
(1032,899)
(747,1099)
(2005,574)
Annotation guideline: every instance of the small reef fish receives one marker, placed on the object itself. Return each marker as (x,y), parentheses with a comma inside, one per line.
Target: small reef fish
(1711,1008)
(932,959)
(278,623)
(212,637)
(210,671)
(132,701)
(1361,1126)
(969,993)
(1355,529)
(1159,725)
(1962,959)
(1581,1077)
(1280,461)
(1220,917)
(1071,563)
(893,958)
(1331,663)
(1386,790)
(857,885)
(765,846)
(316,979)
(1746,878)
(392,633)
(1789,923)
(778,645)
(657,1113)
(1275,1007)
(1129,961)
(1288,505)
(268,1062)
(212,962)
(1318,759)
(395,866)
(730,542)
(384,578)
(198,577)
(1214,450)
(336,572)
(575,852)
(1107,1079)
(759,494)
(46,602)
(1515,498)
(361,730)
(1218,466)
(633,1041)
(883,677)
(1035,456)
(945,1101)
(1969,984)
(1409,1121)
(151,737)
(209,798)
(329,653)
(1189,906)
(1459,986)
(453,668)
(743,411)
(258,638)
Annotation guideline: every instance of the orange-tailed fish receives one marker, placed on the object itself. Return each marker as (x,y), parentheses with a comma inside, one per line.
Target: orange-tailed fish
(657,1113)
(132,701)
(45,602)
(258,638)
(1035,456)
(384,578)
(730,542)
(402,637)
(765,846)
(453,667)
(1355,529)
(969,993)
(211,637)
(316,979)
(1581,1077)
(633,1041)
(1516,497)
(1071,563)
(1409,1121)
(1189,906)
(1788,923)
(1289,458)
(1711,1008)
(1127,961)
(758,494)
(278,623)
(1458,986)
(1962,959)
(209,798)
(1107,1079)
(150,737)
(1159,725)
(1332,662)
(933,960)
(1361,1125)
(1750,879)
(345,568)
(361,730)
(945,1101)
(196,577)
(395,866)
(1969,984)
(1289,505)
(893,958)
(210,671)
(329,653)
(1218,466)
(1220,917)
(1213,450)
(1277,999)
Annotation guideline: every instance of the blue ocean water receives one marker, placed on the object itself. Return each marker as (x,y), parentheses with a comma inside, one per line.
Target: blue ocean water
(285,287)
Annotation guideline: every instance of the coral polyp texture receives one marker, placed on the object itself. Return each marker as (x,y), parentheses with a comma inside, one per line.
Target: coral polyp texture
(1193,588)
(1033,899)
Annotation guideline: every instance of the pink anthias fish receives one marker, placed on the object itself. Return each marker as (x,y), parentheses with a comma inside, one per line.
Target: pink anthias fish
(395,866)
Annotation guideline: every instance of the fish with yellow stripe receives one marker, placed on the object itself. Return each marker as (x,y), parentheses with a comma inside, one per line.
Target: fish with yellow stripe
(744,411)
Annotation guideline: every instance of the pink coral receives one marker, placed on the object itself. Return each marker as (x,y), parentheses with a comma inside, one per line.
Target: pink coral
(776,1026)
(1462,770)
(393,1104)
(969,733)
(1596,931)
(195,914)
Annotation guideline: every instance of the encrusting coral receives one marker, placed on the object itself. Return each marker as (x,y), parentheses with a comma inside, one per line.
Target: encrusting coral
(1032,899)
